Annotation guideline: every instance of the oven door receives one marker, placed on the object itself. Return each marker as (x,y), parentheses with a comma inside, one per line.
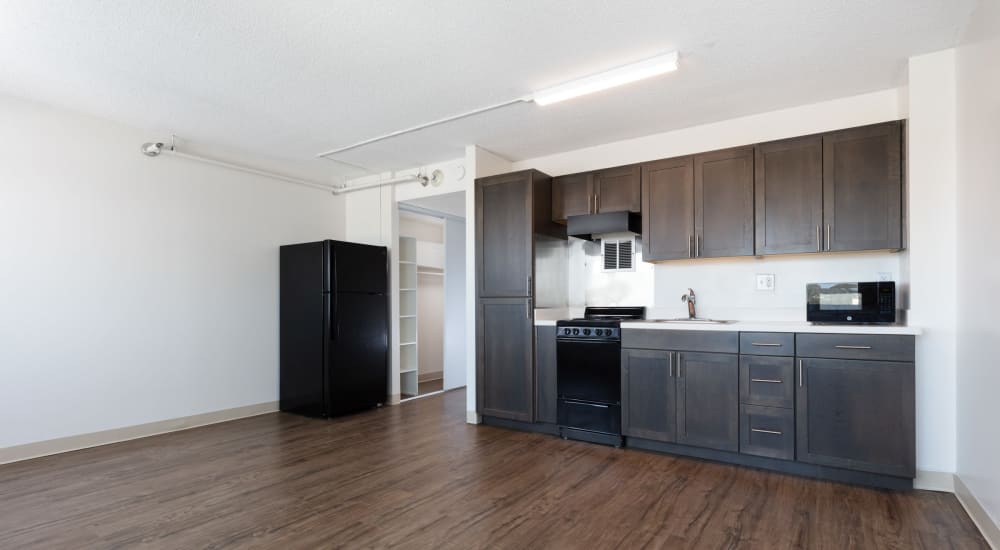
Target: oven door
(588,370)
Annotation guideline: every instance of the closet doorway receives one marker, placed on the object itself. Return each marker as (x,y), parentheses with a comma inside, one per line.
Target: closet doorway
(431,295)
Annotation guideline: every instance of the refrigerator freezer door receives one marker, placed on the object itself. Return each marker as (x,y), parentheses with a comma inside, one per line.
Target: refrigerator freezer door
(358,367)
(360,268)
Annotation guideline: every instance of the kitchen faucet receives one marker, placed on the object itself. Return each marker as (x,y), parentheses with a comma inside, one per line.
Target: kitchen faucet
(690,299)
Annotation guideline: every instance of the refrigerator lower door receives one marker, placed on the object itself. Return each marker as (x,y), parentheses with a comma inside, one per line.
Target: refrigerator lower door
(358,366)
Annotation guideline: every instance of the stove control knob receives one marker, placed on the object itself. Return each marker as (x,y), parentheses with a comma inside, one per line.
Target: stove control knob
(567,331)
(586,332)
(576,332)
(598,332)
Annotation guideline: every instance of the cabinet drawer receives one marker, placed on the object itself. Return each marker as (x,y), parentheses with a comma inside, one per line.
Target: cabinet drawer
(768,381)
(767,431)
(880,347)
(681,340)
(767,343)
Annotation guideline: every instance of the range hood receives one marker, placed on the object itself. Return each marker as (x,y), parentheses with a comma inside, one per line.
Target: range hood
(592,226)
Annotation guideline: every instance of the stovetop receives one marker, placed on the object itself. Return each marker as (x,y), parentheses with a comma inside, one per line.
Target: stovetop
(598,323)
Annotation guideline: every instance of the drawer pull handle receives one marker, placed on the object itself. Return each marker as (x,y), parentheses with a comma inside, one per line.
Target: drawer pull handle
(758,430)
(853,347)
(765,380)
(765,344)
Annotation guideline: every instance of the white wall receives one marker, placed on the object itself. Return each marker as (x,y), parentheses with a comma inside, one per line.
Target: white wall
(978,288)
(455,328)
(931,255)
(134,289)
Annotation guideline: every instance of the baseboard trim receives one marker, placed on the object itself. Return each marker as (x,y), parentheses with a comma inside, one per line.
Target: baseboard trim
(48,447)
(982,519)
(930,480)
(472,417)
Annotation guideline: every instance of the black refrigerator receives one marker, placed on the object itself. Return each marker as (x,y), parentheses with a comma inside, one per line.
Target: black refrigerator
(334,323)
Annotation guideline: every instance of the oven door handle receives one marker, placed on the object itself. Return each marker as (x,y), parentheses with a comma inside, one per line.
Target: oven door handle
(586,403)
(587,341)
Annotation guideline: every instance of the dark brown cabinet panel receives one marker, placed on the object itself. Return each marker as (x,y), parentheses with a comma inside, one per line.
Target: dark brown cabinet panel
(668,209)
(504,231)
(767,431)
(648,394)
(862,188)
(708,398)
(857,415)
(767,380)
(723,203)
(573,195)
(618,189)
(505,353)
(545,374)
(788,194)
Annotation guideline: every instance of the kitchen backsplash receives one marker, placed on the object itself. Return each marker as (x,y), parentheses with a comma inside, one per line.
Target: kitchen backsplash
(725,288)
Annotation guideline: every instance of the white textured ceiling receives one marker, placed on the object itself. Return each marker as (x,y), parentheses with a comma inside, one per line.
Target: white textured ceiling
(291,79)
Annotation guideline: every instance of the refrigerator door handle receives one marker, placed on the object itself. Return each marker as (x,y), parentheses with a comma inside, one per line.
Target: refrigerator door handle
(334,318)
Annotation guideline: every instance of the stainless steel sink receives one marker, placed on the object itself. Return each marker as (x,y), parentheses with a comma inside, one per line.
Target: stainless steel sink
(696,320)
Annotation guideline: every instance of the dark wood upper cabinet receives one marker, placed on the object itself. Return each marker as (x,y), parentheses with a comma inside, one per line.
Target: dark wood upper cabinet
(668,209)
(648,394)
(573,195)
(510,210)
(618,189)
(788,194)
(856,414)
(708,397)
(505,365)
(723,203)
(862,188)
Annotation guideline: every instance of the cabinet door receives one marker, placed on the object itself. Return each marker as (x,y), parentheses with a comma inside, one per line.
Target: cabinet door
(648,394)
(668,209)
(618,189)
(503,235)
(576,195)
(708,395)
(723,203)
(857,415)
(862,188)
(505,369)
(788,193)
(545,374)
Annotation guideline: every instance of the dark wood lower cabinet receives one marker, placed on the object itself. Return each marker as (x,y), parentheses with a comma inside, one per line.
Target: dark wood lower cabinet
(545,374)
(648,394)
(856,414)
(505,350)
(708,396)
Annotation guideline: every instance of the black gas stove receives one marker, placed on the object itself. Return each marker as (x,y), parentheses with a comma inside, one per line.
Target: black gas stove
(588,374)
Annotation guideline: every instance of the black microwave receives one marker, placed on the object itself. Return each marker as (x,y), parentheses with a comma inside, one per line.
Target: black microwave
(851,302)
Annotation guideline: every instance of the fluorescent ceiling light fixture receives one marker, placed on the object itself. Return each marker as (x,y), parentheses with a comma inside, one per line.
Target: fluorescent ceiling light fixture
(608,79)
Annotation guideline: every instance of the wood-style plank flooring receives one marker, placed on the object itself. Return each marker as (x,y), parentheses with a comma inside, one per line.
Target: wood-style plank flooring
(417,476)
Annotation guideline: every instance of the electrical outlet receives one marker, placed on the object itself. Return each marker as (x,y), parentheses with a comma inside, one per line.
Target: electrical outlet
(884,276)
(765,281)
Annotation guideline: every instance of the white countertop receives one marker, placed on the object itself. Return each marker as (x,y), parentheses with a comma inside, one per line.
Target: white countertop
(756,326)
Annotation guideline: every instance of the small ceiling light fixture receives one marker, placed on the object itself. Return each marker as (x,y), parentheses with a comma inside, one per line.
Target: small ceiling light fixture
(608,79)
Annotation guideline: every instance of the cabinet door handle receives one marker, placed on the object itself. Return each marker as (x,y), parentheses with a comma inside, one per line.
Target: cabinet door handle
(678,365)
(760,431)
(853,347)
(765,380)
(819,239)
(800,373)
(670,360)
(765,344)
(690,245)
(697,246)
(828,237)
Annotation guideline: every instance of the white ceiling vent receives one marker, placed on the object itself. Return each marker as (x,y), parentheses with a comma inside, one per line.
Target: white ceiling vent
(619,254)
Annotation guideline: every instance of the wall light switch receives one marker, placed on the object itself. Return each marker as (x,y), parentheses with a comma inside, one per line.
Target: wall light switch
(765,281)
(884,276)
